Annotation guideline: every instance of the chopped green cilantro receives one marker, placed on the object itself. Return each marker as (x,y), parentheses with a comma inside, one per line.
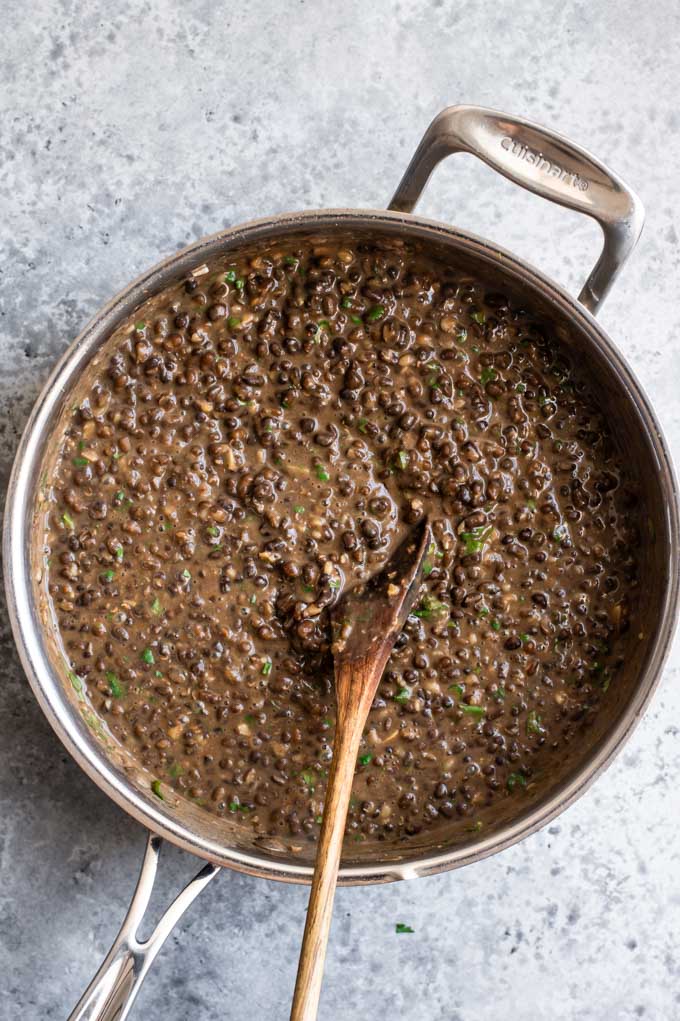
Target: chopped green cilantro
(401,928)
(430,607)
(475,540)
(156,788)
(147,657)
(403,695)
(321,473)
(309,780)
(377,312)
(365,759)
(534,723)
(114,684)
(472,710)
(267,667)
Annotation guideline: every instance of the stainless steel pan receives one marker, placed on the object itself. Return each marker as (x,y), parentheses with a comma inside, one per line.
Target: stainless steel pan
(550,166)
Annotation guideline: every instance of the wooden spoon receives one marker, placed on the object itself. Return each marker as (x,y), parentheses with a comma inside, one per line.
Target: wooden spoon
(366,622)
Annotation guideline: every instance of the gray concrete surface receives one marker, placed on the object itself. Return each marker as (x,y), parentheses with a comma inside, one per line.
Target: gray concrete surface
(129,129)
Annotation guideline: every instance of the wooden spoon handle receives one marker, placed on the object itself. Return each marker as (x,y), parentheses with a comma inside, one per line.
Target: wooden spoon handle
(320,907)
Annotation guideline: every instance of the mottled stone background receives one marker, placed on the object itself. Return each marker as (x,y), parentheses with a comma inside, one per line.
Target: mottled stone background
(130,129)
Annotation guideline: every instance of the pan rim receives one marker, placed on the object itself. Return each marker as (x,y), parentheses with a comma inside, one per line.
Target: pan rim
(45,683)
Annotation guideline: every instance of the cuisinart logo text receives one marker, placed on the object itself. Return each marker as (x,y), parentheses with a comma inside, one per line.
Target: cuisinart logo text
(538,160)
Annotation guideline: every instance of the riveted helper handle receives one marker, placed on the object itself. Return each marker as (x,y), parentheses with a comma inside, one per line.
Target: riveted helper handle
(543,162)
(113,990)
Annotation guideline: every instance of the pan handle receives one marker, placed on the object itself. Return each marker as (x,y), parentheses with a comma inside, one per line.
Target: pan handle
(543,162)
(113,990)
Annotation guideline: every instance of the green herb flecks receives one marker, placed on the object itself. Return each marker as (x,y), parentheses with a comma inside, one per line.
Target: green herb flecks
(68,520)
(365,759)
(488,375)
(403,695)
(108,576)
(516,780)
(156,788)
(375,313)
(147,656)
(401,460)
(475,540)
(479,317)
(534,725)
(117,689)
(236,806)
(321,473)
(430,607)
(309,780)
(233,322)
(400,928)
(471,710)
(156,607)
(322,327)
(267,667)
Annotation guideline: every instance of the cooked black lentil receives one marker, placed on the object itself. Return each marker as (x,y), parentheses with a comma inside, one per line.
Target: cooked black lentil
(259,437)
